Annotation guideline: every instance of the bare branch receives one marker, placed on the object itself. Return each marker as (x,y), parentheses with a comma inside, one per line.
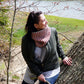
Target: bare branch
(17,29)
(10,44)
(65,37)
(15,48)
(16,54)
(19,70)
(31,5)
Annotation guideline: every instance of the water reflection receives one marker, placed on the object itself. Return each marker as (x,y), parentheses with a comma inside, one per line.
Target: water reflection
(70,9)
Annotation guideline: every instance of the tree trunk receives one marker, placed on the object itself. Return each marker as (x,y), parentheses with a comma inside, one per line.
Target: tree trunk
(74,74)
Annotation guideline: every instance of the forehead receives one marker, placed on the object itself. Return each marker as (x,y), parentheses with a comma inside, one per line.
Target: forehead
(42,17)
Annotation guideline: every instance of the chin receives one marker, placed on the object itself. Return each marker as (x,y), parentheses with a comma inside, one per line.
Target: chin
(46,26)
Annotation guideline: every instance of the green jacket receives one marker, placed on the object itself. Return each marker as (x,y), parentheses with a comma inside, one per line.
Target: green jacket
(53,52)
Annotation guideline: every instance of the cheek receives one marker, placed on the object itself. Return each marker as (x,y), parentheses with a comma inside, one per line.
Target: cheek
(43,23)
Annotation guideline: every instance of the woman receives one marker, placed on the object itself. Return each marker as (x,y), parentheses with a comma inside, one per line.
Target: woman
(41,50)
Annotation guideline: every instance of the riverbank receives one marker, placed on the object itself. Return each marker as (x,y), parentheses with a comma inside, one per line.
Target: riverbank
(70,28)
(67,26)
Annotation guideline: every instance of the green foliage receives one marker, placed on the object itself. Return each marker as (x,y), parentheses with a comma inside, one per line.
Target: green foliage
(15,77)
(4,33)
(4,30)
(3,15)
(66,44)
(2,66)
(17,36)
(1,1)
(3,20)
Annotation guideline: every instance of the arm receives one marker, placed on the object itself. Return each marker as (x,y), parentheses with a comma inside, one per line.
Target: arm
(29,60)
(66,60)
(59,47)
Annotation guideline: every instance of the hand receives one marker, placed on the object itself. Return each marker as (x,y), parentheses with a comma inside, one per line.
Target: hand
(42,78)
(67,60)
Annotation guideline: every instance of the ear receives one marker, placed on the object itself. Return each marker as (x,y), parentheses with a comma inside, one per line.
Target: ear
(36,25)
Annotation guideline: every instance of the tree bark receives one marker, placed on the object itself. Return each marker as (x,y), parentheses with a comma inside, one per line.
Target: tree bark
(74,74)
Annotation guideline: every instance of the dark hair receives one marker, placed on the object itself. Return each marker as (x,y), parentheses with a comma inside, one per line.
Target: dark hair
(33,18)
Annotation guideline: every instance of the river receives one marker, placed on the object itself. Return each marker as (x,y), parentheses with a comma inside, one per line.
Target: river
(68,9)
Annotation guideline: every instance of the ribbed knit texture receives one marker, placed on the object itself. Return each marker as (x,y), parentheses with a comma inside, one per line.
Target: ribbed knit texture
(41,37)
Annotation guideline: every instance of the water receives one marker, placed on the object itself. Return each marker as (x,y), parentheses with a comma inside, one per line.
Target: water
(69,9)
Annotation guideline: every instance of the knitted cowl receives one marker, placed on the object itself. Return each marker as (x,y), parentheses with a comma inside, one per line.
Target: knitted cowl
(41,37)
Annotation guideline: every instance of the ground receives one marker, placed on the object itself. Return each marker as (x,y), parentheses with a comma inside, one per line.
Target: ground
(18,65)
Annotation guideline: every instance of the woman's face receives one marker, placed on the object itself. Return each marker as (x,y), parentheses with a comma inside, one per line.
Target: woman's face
(42,23)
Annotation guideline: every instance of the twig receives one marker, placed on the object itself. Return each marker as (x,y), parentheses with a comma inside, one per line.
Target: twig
(14,48)
(65,37)
(17,29)
(19,70)
(10,44)
(16,54)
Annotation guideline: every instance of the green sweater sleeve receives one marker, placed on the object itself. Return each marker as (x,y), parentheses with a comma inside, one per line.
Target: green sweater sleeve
(26,52)
(59,47)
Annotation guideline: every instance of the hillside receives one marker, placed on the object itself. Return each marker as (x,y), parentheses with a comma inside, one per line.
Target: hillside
(66,27)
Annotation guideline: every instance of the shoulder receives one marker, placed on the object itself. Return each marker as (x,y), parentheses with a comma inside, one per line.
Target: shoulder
(53,30)
(24,37)
(26,40)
